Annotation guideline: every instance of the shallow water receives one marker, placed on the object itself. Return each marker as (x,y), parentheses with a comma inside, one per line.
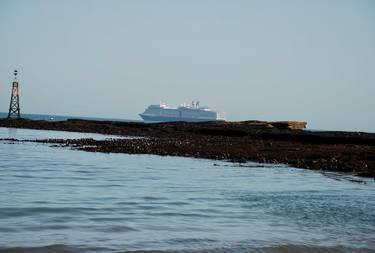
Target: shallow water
(61,200)
(30,134)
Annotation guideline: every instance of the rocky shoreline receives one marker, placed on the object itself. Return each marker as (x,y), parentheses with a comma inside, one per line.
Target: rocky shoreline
(258,141)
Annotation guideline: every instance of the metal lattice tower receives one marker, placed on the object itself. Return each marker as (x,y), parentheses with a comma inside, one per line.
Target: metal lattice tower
(14,107)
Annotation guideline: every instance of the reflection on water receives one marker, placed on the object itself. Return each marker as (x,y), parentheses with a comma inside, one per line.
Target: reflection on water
(61,200)
(11,132)
(28,134)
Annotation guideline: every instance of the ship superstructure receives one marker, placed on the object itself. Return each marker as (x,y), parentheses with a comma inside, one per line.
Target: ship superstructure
(186,112)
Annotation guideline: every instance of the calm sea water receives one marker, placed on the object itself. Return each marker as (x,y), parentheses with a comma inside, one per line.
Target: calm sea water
(61,200)
(49,117)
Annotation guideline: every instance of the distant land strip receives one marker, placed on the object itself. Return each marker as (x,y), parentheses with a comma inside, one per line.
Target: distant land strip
(258,141)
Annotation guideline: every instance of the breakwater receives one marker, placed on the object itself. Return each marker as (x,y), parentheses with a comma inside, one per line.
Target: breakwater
(267,142)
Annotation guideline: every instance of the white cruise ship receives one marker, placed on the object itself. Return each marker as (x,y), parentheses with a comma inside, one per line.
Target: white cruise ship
(190,113)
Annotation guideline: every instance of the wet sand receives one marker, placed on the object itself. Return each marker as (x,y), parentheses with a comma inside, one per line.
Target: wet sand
(265,142)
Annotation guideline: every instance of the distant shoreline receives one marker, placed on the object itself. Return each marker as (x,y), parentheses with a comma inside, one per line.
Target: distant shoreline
(51,117)
(257,141)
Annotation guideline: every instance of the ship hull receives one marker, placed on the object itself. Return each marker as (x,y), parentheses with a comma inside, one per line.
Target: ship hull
(151,118)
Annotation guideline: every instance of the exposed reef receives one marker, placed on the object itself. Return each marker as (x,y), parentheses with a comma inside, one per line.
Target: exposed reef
(259,141)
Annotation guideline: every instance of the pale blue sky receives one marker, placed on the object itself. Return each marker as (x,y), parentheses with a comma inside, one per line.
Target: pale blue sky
(266,60)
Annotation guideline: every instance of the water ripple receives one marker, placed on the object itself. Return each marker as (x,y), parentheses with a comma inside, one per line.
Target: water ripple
(59,200)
